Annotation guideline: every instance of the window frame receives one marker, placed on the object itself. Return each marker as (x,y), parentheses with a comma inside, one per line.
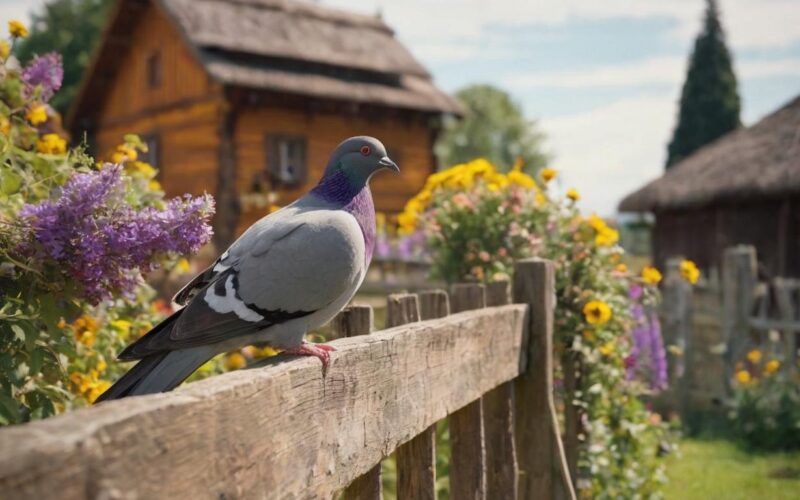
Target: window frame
(275,167)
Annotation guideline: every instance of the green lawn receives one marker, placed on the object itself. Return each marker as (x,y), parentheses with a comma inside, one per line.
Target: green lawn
(711,469)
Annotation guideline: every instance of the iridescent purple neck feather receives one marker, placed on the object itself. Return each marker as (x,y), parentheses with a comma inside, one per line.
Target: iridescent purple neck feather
(352,196)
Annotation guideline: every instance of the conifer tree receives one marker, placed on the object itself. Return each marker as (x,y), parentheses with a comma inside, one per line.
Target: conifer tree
(709,105)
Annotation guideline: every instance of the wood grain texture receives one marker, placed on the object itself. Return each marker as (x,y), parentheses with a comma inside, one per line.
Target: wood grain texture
(543,469)
(498,421)
(468,459)
(416,459)
(281,431)
(352,322)
(433,304)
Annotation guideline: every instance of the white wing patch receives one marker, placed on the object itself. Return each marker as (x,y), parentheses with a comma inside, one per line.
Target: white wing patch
(220,266)
(230,303)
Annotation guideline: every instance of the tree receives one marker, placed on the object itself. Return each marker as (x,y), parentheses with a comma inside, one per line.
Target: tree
(71,28)
(493,127)
(709,106)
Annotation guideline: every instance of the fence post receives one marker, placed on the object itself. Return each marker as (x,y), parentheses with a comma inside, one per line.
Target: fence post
(416,459)
(571,368)
(738,281)
(677,313)
(543,469)
(353,321)
(498,421)
(468,460)
(785,299)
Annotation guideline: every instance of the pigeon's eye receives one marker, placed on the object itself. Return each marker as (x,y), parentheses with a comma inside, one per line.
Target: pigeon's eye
(365,150)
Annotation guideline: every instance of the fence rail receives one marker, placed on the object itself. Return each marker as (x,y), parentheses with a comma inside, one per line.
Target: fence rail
(283,430)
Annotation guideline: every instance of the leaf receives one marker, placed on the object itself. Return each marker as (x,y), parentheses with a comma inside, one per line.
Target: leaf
(37,358)
(9,409)
(10,181)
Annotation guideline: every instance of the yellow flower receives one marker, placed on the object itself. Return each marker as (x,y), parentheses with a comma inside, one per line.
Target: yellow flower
(651,275)
(621,268)
(548,174)
(101,366)
(743,377)
(5,126)
(573,194)
(97,389)
(5,49)
(521,179)
(772,366)
(122,326)
(129,152)
(689,271)
(597,223)
(85,330)
(754,356)
(606,237)
(37,114)
(267,352)
(51,144)
(154,185)
(606,349)
(234,361)
(17,29)
(597,312)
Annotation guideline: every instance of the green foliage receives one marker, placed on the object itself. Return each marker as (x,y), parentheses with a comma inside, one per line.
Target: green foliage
(71,28)
(766,410)
(494,128)
(477,222)
(709,106)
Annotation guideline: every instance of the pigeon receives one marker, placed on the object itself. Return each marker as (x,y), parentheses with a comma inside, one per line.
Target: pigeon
(290,272)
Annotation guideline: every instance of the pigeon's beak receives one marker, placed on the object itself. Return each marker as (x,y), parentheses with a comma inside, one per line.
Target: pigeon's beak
(387,162)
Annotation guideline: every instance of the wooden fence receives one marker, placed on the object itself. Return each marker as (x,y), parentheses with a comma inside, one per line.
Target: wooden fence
(285,431)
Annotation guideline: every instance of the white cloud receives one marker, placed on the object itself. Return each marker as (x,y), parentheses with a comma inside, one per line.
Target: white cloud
(659,70)
(609,151)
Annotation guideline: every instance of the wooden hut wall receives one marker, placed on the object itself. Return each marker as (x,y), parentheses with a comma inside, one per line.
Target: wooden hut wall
(182,109)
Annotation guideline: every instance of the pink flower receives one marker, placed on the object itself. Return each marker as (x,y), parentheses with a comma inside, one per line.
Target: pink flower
(484,256)
(502,252)
(462,200)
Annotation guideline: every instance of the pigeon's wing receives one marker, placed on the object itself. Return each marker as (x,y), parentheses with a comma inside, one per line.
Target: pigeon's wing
(264,232)
(305,270)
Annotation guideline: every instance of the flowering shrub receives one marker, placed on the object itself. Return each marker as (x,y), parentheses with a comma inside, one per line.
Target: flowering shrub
(477,221)
(766,405)
(75,235)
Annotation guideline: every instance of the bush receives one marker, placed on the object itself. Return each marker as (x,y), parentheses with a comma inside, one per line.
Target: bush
(477,221)
(766,405)
(77,236)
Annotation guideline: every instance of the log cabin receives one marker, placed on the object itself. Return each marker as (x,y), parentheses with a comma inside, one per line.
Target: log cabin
(247,98)
(743,188)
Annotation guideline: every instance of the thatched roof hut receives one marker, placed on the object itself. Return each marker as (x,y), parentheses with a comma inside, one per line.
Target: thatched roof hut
(742,188)
(247,98)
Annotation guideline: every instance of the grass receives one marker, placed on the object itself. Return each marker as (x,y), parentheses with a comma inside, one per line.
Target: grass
(718,469)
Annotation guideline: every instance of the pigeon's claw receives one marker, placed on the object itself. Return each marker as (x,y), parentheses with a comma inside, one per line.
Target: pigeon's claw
(320,351)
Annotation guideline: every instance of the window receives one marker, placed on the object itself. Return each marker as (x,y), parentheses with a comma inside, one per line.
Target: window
(154,69)
(286,159)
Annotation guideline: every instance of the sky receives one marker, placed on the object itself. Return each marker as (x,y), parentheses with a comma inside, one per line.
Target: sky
(600,78)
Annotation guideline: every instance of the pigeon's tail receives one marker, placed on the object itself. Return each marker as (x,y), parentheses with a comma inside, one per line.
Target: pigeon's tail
(159,372)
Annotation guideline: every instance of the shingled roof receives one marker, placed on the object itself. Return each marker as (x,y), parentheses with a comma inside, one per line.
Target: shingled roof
(288,46)
(762,161)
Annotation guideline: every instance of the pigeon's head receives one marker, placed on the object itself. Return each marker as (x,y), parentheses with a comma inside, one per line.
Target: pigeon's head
(358,158)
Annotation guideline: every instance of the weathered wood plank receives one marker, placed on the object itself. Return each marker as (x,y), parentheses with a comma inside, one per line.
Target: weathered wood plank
(543,469)
(351,322)
(468,459)
(498,421)
(433,304)
(281,431)
(416,459)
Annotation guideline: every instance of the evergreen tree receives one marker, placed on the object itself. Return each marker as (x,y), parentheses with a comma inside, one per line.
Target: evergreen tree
(494,128)
(709,106)
(71,28)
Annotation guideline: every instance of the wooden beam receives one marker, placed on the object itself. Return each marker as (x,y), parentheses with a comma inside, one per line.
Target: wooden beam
(498,422)
(543,469)
(468,454)
(281,431)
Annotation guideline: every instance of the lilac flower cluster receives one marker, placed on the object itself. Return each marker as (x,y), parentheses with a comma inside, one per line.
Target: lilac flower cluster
(46,71)
(93,236)
(648,357)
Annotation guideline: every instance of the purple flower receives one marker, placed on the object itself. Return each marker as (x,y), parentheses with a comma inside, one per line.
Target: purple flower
(648,358)
(46,71)
(96,238)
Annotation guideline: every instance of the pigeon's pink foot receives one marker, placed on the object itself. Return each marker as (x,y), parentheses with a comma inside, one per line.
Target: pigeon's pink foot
(321,351)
